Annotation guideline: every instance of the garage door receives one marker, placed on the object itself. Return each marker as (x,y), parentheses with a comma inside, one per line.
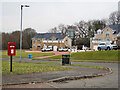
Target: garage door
(54,48)
(95,47)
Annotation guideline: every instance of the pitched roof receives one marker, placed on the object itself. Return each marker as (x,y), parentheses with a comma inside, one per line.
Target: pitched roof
(49,35)
(115,27)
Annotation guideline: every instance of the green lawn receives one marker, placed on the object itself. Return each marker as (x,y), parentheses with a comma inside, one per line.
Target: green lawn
(25,54)
(46,63)
(74,60)
(94,55)
(66,64)
(29,68)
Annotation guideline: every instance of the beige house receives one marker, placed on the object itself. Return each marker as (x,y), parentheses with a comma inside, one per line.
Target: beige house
(108,34)
(118,40)
(54,40)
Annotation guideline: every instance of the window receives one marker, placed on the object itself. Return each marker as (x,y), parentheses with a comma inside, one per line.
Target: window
(107,39)
(107,33)
(38,45)
(38,40)
(66,40)
(33,45)
(107,43)
(99,39)
(33,41)
(114,39)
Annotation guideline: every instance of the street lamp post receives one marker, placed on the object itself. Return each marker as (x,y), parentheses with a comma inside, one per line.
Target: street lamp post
(21,29)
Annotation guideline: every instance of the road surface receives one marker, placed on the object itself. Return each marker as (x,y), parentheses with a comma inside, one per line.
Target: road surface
(108,81)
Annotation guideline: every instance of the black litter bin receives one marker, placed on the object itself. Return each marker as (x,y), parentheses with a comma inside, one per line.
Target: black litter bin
(65,59)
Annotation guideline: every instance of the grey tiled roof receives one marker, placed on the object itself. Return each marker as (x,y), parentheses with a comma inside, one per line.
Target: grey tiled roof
(49,35)
(114,27)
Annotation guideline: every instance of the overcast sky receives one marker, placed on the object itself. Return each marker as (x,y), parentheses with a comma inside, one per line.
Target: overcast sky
(43,16)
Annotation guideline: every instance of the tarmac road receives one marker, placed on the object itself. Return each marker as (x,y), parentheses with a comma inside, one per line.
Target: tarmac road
(108,81)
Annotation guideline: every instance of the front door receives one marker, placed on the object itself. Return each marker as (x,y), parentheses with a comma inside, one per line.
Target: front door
(54,48)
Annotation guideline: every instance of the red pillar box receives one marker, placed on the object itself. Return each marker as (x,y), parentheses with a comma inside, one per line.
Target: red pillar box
(11,49)
(11,52)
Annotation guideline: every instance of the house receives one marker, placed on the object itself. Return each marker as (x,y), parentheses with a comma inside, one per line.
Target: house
(118,40)
(108,34)
(54,40)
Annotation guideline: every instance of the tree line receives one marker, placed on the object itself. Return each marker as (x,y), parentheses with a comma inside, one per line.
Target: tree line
(83,31)
(27,35)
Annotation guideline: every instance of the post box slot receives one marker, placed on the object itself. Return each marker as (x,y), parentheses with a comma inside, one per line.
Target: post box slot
(12,46)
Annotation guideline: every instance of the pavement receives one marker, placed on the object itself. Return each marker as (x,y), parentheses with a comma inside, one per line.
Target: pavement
(46,76)
(56,53)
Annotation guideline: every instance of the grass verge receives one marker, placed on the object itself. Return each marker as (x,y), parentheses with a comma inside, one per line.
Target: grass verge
(74,60)
(66,64)
(19,68)
(94,55)
(31,67)
(25,54)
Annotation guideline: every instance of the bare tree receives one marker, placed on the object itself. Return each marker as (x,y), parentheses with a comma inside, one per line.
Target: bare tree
(53,30)
(5,40)
(82,29)
(15,37)
(105,21)
(28,33)
(62,28)
(114,17)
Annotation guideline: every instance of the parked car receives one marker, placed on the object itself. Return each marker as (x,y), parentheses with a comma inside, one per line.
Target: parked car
(43,49)
(107,46)
(63,49)
(46,49)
